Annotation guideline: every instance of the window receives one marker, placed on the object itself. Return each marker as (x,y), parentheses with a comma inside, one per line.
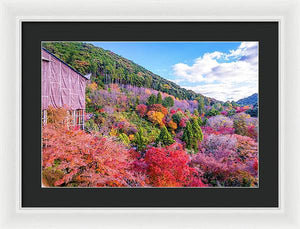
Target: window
(79,118)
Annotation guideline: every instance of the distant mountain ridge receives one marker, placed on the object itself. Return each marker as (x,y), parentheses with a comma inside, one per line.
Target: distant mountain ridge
(107,67)
(250,100)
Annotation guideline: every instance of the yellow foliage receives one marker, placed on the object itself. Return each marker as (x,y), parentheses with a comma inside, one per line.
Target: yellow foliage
(113,132)
(131,137)
(88,100)
(166,86)
(156,117)
(172,125)
(93,86)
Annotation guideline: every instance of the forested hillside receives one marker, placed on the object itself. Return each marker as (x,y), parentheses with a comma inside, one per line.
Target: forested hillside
(141,130)
(107,67)
(250,100)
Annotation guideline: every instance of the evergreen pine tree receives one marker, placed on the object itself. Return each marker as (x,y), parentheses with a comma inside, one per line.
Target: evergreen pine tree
(201,106)
(140,140)
(200,122)
(165,138)
(192,135)
(159,98)
(168,102)
(151,100)
(198,135)
(188,136)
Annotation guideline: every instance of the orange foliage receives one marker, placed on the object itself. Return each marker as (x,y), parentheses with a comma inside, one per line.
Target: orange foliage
(148,92)
(82,63)
(75,158)
(59,116)
(114,87)
(159,108)
(93,86)
(156,117)
(172,125)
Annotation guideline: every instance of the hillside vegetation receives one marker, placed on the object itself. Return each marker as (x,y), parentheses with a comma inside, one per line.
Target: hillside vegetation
(140,135)
(107,67)
(250,100)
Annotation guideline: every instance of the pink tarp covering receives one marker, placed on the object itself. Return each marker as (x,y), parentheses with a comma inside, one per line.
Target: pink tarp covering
(61,86)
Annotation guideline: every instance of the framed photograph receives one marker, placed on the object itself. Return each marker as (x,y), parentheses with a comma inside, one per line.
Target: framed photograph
(115,132)
(177,119)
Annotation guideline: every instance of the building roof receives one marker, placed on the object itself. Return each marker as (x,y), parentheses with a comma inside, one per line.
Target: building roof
(87,77)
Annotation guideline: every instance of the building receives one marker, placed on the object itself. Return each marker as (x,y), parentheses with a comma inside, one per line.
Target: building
(62,86)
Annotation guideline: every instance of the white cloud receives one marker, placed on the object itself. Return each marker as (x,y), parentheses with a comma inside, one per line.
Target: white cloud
(220,75)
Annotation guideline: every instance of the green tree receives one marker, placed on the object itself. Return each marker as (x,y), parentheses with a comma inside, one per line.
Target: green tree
(200,122)
(228,104)
(168,102)
(196,112)
(204,121)
(231,112)
(253,112)
(177,117)
(240,127)
(164,138)
(140,140)
(159,98)
(212,112)
(197,132)
(124,138)
(201,106)
(192,135)
(218,106)
(188,136)
(151,100)
(234,104)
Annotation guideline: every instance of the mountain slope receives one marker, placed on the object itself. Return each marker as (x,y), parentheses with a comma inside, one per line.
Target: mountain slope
(250,100)
(108,67)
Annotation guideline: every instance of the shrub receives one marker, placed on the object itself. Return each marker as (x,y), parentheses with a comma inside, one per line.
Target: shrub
(172,125)
(219,145)
(225,172)
(183,122)
(91,126)
(75,158)
(59,116)
(124,138)
(141,109)
(158,108)
(227,160)
(168,167)
(156,117)
(222,131)
(212,112)
(245,125)
(218,122)
(240,124)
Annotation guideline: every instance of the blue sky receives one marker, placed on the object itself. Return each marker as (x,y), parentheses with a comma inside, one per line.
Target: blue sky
(222,70)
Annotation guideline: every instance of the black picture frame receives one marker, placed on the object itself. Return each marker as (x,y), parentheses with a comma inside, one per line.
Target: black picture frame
(266,33)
